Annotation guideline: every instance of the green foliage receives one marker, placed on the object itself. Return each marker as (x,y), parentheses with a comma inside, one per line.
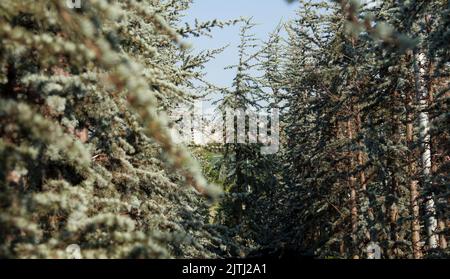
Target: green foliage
(86,154)
(351,94)
(87,157)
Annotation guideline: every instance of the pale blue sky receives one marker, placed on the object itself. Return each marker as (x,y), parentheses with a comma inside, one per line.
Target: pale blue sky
(266,13)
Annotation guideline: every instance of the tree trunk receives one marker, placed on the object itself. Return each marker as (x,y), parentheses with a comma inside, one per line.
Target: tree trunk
(420,63)
(442,238)
(413,183)
(415,224)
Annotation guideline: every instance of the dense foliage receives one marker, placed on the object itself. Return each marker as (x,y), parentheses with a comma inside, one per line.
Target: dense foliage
(87,157)
(86,154)
(365,98)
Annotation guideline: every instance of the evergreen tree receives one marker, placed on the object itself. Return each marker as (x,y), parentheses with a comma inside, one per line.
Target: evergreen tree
(86,156)
(89,167)
(250,175)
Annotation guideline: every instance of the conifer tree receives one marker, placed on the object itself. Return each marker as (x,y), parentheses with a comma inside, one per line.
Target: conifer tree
(360,164)
(89,167)
(86,156)
(250,174)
